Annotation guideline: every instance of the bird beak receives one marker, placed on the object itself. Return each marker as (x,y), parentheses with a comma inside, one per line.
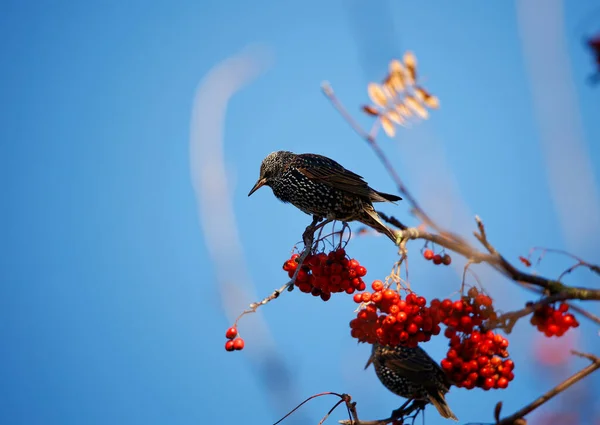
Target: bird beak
(260,183)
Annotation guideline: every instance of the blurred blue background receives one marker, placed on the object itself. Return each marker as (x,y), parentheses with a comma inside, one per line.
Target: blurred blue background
(110,304)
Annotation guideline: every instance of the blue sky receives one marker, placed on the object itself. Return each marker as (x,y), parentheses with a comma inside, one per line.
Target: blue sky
(111,311)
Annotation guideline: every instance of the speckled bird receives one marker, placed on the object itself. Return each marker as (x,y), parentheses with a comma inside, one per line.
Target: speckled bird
(321,187)
(412,374)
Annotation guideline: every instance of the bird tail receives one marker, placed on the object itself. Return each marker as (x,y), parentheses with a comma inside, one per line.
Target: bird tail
(372,219)
(439,401)
(384,197)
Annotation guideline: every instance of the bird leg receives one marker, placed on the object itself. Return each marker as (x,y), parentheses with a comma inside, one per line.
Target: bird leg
(309,234)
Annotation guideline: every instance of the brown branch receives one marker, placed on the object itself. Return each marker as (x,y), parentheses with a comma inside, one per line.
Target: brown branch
(580,262)
(493,258)
(343,398)
(308,237)
(507,321)
(511,420)
(403,412)
(572,306)
(370,139)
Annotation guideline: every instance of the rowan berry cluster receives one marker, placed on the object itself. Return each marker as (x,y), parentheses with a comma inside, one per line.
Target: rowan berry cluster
(553,321)
(437,259)
(324,274)
(233,343)
(475,358)
(388,319)
(478,359)
(467,313)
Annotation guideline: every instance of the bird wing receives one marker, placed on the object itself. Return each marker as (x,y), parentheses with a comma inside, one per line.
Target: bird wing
(326,170)
(417,366)
(412,364)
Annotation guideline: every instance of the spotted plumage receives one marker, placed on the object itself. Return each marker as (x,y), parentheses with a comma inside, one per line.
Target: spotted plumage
(321,187)
(412,374)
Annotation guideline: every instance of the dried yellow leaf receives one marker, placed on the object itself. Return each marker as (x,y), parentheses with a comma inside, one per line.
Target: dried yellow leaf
(388,127)
(377,94)
(410,60)
(395,116)
(432,102)
(412,103)
(396,67)
(388,92)
(403,110)
(396,82)
(370,110)
(420,94)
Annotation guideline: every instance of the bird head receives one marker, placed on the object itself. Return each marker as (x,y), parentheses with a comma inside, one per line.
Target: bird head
(271,168)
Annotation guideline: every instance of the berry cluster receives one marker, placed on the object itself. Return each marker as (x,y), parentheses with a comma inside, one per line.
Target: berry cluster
(324,274)
(437,258)
(233,343)
(475,358)
(389,320)
(467,313)
(478,360)
(552,321)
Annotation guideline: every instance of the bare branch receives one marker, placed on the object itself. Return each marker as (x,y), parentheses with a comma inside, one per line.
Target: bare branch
(512,419)
(308,237)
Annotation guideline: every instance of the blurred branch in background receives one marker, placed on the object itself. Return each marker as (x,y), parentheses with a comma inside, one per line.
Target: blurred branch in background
(562,143)
(215,210)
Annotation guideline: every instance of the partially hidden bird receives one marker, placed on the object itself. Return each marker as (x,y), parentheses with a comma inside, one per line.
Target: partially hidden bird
(411,373)
(321,187)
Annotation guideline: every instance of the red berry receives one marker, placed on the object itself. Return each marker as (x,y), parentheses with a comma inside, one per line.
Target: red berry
(428,254)
(231,333)
(389,294)
(229,345)
(361,271)
(502,382)
(437,259)
(377,285)
(446,259)
(238,344)
(412,328)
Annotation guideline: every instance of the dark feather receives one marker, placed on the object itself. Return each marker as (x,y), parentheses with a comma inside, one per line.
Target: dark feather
(326,170)
(413,366)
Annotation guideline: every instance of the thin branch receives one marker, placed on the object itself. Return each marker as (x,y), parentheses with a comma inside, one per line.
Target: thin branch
(370,139)
(580,262)
(308,237)
(343,397)
(403,412)
(572,306)
(510,420)
(507,321)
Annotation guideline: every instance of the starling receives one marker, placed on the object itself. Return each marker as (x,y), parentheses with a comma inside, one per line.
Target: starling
(321,187)
(412,374)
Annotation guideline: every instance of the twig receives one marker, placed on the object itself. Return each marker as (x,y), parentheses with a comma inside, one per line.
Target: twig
(402,412)
(330,410)
(343,398)
(308,238)
(580,262)
(510,420)
(450,240)
(370,139)
(507,321)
